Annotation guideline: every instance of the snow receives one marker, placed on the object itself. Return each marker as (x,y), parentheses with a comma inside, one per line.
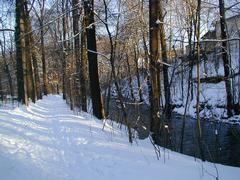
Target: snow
(47,141)
(212,96)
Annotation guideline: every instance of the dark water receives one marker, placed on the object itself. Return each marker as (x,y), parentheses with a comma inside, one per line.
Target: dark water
(221,141)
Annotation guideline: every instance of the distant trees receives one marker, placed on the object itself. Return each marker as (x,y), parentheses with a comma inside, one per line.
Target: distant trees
(40,17)
(6,64)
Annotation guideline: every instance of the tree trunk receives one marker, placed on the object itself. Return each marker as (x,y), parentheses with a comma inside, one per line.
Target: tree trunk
(108,94)
(30,83)
(92,60)
(36,74)
(225,58)
(1,89)
(84,66)
(167,92)
(154,95)
(20,52)
(130,78)
(136,56)
(19,30)
(44,68)
(76,16)
(64,46)
(199,129)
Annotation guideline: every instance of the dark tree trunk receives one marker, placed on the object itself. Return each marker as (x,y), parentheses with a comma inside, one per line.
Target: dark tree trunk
(1,89)
(167,92)
(25,79)
(20,43)
(108,94)
(64,46)
(44,66)
(92,60)
(199,128)
(224,50)
(153,67)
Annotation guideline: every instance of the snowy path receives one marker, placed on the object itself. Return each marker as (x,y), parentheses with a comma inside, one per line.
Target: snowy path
(46,141)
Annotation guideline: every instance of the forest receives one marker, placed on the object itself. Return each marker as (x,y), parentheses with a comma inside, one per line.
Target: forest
(160,74)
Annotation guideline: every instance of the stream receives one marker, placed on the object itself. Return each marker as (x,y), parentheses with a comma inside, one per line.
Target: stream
(221,141)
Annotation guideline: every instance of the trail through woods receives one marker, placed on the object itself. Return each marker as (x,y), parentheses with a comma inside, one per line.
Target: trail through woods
(48,141)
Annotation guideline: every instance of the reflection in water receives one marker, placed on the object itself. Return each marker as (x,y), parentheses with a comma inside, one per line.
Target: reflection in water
(221,141)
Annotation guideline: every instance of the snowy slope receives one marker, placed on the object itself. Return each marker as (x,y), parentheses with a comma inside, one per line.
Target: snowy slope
(46,141)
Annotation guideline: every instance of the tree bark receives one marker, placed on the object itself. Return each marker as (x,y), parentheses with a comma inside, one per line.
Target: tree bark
(167,92)
(28,48)
(199,128)
(1,89)
(20,53)
(154,95)
(36,74)
(44,68)
(84,66)
(76,16)
(64,48)
(226,64)
(136,56)
(92,59)
(130,78)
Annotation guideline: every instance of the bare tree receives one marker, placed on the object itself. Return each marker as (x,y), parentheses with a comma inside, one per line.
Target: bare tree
(23,53)
(154,95)
(92,59)
(226,64)
(76,34)
(40,16)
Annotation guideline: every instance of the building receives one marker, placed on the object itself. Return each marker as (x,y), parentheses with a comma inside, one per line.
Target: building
(211,43)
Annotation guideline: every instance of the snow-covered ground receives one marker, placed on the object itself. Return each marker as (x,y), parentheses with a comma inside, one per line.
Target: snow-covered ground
(46,141)
(212,96)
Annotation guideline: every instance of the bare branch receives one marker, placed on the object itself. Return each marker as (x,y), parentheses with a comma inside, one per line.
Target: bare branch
(6,30)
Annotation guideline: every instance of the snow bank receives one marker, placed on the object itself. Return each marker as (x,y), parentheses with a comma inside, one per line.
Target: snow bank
(46,141)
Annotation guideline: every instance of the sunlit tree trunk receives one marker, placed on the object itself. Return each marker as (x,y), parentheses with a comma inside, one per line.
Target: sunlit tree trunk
(84,66)
(30,83)
(76,17)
